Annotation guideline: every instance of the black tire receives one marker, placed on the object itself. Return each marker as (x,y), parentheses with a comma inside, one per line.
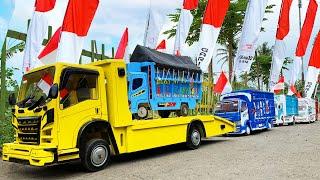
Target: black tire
(194,137)
(98,146)
(164,114)
(184,110)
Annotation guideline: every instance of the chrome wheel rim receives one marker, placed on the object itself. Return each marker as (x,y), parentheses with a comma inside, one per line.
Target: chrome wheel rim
(195,137)
(142,112)
(99,155)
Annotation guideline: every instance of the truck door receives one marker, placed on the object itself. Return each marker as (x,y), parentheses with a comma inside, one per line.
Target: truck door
(79,103)
(244,112)
(138,90)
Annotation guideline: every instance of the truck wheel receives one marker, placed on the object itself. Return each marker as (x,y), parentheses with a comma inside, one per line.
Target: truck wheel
(248,130)
(164,114)
(95,155)
(142,113)
(194,138)
(184,109)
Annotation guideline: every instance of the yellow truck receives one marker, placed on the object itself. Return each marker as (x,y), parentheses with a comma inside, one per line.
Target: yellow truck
(84,113)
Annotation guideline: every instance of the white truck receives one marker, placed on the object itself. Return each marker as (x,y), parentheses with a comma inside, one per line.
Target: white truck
(307,111)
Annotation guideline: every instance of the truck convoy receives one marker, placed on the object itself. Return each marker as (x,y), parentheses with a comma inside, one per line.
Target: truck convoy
(250,110)
(67,112)
(307,110)
(286,109)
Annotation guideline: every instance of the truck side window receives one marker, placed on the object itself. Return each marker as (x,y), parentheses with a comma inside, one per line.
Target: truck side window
(79,88)
(243,107)
(137,83)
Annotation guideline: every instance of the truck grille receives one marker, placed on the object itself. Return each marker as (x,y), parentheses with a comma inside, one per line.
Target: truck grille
(29,130)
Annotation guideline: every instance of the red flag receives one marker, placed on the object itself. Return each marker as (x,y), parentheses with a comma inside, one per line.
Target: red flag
(44,5)
(76,24)
(279,51)
(223,85)
(215,13)
(162,46)
(313,69)
(123,45)
(190,4)
(49,53)
(284,20)
(307,28)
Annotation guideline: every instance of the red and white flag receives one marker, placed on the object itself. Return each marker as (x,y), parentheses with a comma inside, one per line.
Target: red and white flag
(249,37)
(304,39)
(279,51)
(223,85)
(185,22)
(49,54)
(162,47)
(313,69)
(215,13)
(123,44)
(279,87)
(76,24)
(36,33)
(45,83)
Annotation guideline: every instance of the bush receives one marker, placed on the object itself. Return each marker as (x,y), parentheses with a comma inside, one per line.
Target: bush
(6,130)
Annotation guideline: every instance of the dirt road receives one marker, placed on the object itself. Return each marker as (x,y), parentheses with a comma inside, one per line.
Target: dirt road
(290,152)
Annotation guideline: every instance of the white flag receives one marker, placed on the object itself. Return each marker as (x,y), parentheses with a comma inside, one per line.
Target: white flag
(36,33)
(185,22)
(249,37)
(212,21)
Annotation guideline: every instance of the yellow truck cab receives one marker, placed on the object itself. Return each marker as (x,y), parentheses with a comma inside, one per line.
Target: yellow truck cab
(85,114)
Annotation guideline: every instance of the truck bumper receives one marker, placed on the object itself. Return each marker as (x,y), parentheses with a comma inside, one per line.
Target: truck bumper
(28,154)
(302,119)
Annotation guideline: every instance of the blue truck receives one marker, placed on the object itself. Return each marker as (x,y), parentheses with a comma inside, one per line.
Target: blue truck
(163,83)
(250,110)
(286,109)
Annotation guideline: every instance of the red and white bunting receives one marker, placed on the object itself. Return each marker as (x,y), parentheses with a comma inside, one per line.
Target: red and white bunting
(279,87)
(223,85)
(304,39)
(76,24)
(36,33)
(185,22)
(249,37)
(279,51)
(45,83)
(49,54)
(162,47)
(313,69)
(212,21)
(123,44)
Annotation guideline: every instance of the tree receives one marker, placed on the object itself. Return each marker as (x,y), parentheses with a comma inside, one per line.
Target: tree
(230,30)
(260,69)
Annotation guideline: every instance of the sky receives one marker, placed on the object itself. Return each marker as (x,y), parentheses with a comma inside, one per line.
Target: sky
(113,17)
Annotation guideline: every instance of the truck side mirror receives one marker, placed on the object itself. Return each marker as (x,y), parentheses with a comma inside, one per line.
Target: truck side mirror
(12,99)
(53,92)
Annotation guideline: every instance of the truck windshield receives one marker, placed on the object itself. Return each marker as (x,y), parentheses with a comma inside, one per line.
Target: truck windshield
(35,87)
(227,106)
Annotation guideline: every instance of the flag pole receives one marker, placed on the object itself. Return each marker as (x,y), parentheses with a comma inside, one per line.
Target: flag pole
(300,26)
